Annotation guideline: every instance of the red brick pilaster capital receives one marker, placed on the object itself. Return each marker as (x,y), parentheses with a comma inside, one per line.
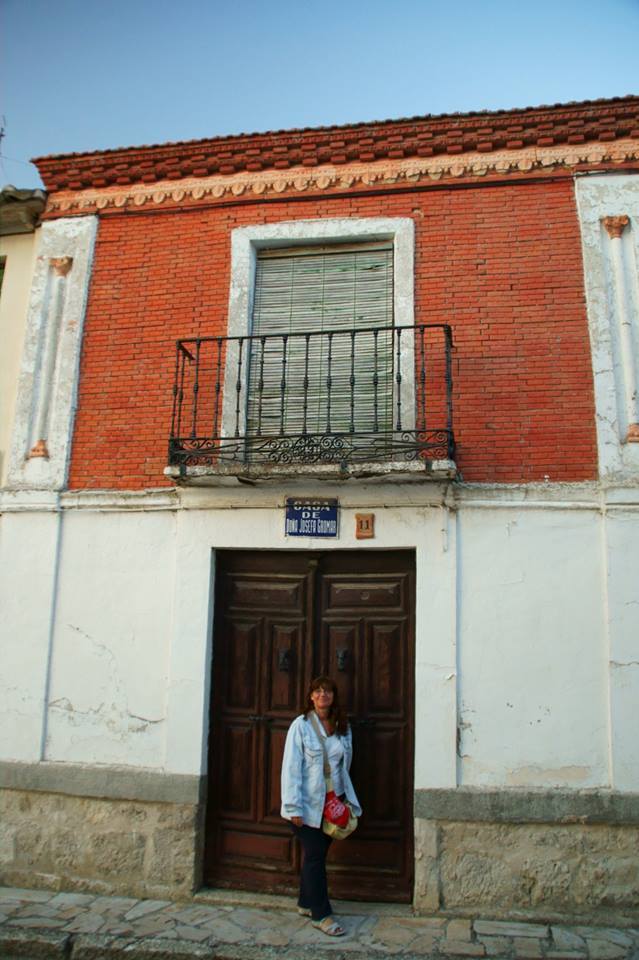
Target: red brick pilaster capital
(61,265)
(615,226)
(39,449)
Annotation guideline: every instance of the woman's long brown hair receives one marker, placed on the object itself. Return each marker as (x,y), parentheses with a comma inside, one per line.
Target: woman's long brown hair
(336,715)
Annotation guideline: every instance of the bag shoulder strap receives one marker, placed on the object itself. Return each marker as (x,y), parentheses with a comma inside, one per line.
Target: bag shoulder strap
(315,723)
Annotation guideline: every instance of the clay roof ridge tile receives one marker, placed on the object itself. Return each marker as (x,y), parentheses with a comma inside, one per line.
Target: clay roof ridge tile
(628,99)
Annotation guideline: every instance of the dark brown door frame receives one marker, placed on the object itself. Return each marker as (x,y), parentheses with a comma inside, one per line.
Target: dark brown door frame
(327,604)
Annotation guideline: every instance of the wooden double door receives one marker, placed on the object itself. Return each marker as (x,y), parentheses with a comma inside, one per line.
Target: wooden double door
(282,618)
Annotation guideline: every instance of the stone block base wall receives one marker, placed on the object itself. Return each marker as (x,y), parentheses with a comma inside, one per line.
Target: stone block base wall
(543,855)
(107,846)
(564,869)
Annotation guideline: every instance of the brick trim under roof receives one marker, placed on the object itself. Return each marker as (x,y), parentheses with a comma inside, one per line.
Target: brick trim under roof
(449,134)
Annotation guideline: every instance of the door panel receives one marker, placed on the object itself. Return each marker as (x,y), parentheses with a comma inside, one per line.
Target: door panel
(347,594)
(380,750)
(236,788)
(285,651)
(385,662)
(256,592)
(280,619)
(272,792)
(341,643)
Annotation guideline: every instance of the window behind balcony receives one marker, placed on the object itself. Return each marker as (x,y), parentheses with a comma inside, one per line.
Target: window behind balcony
(321,362)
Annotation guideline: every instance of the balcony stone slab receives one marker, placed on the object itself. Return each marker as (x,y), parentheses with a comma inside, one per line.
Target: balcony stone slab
(230,474)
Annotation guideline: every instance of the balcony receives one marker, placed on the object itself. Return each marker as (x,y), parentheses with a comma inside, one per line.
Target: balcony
(372,402)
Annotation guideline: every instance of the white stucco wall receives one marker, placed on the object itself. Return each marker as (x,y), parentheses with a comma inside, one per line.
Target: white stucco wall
(28,564)
(532,657)
(516,595)
(110,644)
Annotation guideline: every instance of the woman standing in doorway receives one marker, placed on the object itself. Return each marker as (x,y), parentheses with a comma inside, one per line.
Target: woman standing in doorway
(304,792)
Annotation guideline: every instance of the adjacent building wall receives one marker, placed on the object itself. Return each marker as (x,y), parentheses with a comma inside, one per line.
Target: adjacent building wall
(19,253)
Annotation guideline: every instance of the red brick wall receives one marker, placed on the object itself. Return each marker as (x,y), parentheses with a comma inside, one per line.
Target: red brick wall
(501,264)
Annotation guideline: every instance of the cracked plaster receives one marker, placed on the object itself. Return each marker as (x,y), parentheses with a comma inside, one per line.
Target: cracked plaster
(108,685)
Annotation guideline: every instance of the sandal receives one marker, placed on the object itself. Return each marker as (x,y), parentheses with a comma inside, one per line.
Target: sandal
(329,926)
(304,912)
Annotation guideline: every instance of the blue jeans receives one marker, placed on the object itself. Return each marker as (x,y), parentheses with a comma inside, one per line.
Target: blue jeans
(313,886)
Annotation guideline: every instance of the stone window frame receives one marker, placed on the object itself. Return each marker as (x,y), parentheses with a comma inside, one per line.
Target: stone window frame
(246,242)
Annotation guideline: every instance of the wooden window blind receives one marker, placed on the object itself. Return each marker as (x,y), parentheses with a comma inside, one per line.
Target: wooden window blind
(337,375)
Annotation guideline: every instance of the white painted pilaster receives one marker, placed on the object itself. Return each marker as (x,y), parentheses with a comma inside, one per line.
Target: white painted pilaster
(46,396)
(622,275)
(609,218)
(608,209)
(622,549)
(436,669)
(188,682)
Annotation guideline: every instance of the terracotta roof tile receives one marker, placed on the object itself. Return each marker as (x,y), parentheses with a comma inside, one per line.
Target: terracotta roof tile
(484,131)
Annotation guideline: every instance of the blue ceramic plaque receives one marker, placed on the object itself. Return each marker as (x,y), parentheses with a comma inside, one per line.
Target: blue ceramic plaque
(311,517)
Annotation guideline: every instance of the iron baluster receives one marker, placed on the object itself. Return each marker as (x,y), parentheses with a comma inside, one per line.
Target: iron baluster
(283,384)
(178,350)
(329,382)
(422,378)
(181,392)
(398,378)
(448,336)
(375,382)
(352,381)
(196,386)
(218,388)
(238,386)
(260,387)
(305,383)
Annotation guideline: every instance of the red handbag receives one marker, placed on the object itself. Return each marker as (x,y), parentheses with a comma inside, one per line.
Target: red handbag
(335,811)
(338,820)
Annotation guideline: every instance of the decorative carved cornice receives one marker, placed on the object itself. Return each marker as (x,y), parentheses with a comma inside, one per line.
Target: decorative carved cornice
(447,136)
(332,178)
(61,265)
(615,226)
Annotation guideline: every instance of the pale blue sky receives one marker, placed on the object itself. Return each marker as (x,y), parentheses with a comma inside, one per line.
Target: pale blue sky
(82,75)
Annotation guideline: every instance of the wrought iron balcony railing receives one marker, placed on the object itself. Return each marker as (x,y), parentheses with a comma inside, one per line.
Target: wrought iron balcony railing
(320,397)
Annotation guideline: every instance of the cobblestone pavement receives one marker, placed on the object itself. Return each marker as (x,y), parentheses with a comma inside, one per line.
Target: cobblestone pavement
(80,926)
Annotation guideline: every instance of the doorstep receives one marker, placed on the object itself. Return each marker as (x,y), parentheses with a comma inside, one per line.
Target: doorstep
(272,901)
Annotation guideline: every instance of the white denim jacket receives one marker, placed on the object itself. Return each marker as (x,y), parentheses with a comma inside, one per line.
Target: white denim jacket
(303,784)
